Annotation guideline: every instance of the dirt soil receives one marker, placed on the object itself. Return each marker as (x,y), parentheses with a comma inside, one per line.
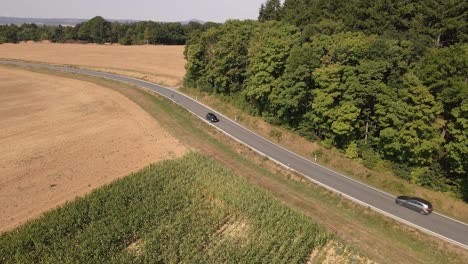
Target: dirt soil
(160,64)
(61,138)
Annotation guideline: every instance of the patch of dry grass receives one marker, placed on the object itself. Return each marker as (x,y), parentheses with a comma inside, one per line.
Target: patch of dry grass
(336,253)
(136,247)
(235,229)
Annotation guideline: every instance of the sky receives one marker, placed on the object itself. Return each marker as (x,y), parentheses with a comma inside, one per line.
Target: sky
(155,10)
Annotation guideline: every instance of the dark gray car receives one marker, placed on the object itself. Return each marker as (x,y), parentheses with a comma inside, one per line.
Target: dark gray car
(212,117)
(414,203)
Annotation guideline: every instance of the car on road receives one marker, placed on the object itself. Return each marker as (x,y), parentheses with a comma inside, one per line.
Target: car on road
(414,203)
(212,117)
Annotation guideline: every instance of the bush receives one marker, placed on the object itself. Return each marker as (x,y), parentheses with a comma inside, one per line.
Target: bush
(433,178)
(403,171)
(308,134)
(327,143)
(352,151)
(318,153)
(464,189)
(419,175)
(369,156)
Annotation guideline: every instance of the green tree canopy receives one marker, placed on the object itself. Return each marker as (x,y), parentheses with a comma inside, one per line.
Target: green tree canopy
(96,30)
(270,48)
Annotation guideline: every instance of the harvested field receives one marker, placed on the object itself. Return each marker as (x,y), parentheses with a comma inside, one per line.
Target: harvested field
(159,64)
(61,138)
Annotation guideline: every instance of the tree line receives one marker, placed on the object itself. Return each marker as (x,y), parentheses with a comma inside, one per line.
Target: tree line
(385,81)
(98,30)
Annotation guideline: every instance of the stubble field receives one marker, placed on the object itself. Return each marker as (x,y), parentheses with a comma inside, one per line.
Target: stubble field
(61,138)
(159,64)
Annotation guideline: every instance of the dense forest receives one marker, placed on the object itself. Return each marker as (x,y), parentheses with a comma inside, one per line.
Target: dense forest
(382,80)
(98,30)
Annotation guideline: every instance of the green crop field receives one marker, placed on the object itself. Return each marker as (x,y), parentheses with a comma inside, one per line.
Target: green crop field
(188,210)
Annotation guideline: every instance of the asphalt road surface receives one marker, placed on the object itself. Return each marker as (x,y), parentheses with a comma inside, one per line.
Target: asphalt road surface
(435,224)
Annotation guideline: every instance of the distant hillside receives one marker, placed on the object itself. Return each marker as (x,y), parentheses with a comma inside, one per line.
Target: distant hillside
(41,21)
(192,20)
(67,21)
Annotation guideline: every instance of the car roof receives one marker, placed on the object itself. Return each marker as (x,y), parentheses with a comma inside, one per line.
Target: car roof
(403,197)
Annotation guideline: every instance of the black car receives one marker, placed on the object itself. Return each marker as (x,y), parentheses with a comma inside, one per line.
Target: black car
(211,117)
(414,203)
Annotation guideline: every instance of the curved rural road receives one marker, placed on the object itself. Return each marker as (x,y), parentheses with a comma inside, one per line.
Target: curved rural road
(435,224)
